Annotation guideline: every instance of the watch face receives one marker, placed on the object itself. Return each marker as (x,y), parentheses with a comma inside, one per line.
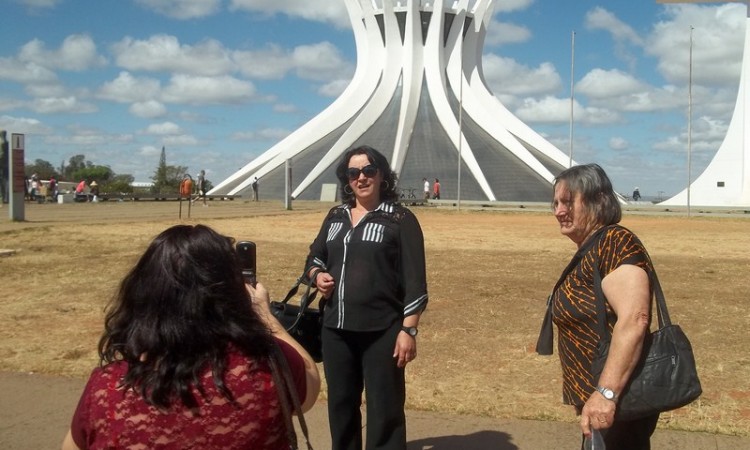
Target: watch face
(609,394)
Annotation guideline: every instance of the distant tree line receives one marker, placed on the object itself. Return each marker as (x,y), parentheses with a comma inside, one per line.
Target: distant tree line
(166,178)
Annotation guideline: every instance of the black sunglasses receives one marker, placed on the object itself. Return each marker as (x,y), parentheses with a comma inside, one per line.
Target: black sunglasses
(369,171)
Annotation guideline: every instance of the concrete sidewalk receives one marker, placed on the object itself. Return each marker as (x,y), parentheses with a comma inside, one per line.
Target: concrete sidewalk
(35,412)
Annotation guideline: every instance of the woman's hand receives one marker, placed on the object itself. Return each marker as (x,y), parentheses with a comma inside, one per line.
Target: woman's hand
(260,299)
(405,350)
(325,283)
(598,413)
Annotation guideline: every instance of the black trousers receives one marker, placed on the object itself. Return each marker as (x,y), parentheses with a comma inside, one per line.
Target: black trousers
(357,361)
(630,434)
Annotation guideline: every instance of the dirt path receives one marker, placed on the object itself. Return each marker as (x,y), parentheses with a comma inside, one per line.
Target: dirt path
(35,413)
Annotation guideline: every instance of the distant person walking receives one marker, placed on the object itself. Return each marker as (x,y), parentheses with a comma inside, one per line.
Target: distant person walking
(426,189)
(255,189)
(436,189)
(201,186)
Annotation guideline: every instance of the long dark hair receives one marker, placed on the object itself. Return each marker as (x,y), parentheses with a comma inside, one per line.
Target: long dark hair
(596,191)
(176,313)
(387,188)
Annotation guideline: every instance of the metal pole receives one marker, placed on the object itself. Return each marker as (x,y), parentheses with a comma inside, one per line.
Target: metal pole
(460,113)
(690,119)
(572,96)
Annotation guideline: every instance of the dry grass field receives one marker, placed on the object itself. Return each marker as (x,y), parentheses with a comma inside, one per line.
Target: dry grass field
(489,273)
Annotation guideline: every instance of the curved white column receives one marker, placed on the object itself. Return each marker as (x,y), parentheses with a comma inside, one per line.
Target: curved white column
(420,67)
(726,179)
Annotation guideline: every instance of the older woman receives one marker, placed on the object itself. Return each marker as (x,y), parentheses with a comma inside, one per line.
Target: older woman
(187,359)
(588,211)
(368,261)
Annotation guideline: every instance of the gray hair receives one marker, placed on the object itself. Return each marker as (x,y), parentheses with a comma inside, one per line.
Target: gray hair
(596,191)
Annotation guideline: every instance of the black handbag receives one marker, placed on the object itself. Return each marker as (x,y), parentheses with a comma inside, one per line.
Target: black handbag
(666,377)
(303,322)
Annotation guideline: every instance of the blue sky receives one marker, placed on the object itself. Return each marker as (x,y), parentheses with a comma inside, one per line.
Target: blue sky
(218,82)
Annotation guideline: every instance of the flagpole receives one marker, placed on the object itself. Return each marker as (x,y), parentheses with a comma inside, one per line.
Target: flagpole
(690,119)
(572,62)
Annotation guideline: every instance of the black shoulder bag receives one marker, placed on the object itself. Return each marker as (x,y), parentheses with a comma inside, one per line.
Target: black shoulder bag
(301,321)
(666,377)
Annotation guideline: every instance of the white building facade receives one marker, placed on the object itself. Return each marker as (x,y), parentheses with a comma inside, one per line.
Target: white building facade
(418,96)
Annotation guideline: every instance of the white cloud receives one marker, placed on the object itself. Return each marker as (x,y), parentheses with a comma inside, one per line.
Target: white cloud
(128,89)
(320,62)
(499,33)
(618,143)
(507,76)
(9,104)
(334,88)
(181,140)
(164,53)
(149,109)
(601,19)
(182,9)
(285,108)
(77,53)
(263,134)
(328,11)
(557,111)
(208,90)
(718,39)
(276,62)
(12,69)
(513,5)
(23,125)
(601,83)
(61,105)
(163,129)
(39,3)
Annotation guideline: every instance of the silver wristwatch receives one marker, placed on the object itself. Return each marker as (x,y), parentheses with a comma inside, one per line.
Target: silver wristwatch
(609,394)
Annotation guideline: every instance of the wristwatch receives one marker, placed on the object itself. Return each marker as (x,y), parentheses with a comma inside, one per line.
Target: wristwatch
(609,394)
(411,331)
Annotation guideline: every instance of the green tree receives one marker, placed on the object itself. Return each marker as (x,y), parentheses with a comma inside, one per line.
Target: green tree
(75,163)
(100,174)
(167,178)
(119,184)
(43,169)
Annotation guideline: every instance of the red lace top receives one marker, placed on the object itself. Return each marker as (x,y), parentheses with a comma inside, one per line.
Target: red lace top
(110,417)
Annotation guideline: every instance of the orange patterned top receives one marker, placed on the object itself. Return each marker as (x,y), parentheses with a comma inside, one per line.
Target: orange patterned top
(574,308)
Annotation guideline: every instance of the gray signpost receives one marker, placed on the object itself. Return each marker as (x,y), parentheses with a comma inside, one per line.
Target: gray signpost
(17,179)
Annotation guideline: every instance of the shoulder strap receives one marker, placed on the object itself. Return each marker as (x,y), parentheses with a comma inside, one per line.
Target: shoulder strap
(288,398)
(545,341)
(601,310)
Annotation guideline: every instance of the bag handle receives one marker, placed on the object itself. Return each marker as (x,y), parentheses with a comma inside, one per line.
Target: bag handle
(288,398)
(545,341)
(306,300)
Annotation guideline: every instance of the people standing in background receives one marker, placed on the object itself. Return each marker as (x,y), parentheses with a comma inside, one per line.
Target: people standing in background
(52,188)
(201,186)
(436,189)
(636,194)
(186,187)
(94,191)
(255,189)
(426,189)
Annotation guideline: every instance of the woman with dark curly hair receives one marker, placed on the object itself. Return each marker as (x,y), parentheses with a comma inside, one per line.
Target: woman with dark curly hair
(187,356)
(368,262)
